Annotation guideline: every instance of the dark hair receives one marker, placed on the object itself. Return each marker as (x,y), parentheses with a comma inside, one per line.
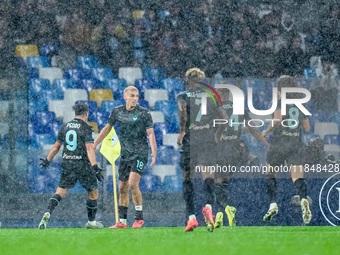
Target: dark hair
(286,81)
(80,109)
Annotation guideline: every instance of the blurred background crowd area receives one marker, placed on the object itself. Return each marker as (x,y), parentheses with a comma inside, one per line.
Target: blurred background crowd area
(226,38)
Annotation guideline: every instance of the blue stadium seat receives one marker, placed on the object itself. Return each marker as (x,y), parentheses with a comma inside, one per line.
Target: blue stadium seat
(150,183)
(332,139)
(167,107)
(102,118)
(89,84)
(76,75)
(173,183)
(160,129)
(44,180)
(88,62)
(36,86)
(144,84)
(33,73)
(47,49)
(102,73)
(109,105)
(38,61)
(174,122)
(309,73)
(43,122)
(317,117)
(56,127)
(34,106)
(166,155)
(335,118)
(137,43)
(39,140)
(153,74)
(144,104)
(93,109)
(173,86)
(117,87)
(139,54)
(60,85)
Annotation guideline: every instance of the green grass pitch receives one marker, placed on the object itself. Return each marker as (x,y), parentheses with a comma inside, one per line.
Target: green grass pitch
(241,240)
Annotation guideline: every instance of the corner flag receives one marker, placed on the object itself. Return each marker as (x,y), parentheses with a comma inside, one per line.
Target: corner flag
(111,147)
(111,151)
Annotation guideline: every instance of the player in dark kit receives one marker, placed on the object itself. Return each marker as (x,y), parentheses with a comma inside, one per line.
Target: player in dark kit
(78,163)
(135,123)
(286,145)
(198,145)
(231,151)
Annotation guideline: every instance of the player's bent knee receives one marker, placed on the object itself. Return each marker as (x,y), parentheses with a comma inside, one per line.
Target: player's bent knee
(93,195)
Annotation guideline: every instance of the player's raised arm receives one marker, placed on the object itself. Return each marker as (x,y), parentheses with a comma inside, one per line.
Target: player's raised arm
(103,133)
(152,140)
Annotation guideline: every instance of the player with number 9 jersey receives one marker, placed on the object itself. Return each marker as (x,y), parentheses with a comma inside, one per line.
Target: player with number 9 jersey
(74,135)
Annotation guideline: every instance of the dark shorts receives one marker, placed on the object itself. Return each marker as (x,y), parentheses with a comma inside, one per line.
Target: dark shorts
(282,150)
(137,165)
(71,172)
(195,155)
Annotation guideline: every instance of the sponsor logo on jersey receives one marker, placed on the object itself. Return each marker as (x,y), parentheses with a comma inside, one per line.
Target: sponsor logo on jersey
(134,118)
(65,156)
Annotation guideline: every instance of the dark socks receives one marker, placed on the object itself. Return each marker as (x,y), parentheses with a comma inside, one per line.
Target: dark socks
(301,187)
(271,189)
(54,201)
(138,214)
(91,209)
(221,191)
(188,195)
(122,212)
(209,190)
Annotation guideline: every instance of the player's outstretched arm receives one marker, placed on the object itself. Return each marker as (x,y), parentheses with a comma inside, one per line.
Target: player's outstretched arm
(257,134)
(54,151)
(105,131)
(152,140)
(306,125)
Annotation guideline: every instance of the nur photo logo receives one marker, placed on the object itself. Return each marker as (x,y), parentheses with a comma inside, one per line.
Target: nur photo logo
(329,200)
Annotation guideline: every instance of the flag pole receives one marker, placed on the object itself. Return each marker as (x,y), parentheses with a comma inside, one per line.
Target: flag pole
(115,190)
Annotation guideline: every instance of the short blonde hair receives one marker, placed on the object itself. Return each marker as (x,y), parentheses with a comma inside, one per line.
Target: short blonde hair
(130,88)
(194,73)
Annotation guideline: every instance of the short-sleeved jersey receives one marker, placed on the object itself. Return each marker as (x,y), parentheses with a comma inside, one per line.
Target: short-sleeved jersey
(132,130)
(199,128)
(75,134)
(291,124)
(233,130)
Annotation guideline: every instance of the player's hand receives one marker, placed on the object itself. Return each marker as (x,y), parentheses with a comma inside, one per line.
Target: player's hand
(45,163)
(99,172)
(180,138)
(265,134)
(153,156)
